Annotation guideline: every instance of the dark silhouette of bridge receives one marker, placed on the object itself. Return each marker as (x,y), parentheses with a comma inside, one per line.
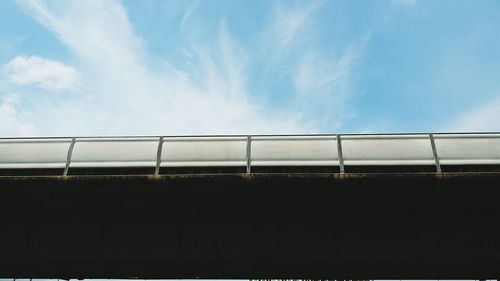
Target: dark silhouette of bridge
(297,221)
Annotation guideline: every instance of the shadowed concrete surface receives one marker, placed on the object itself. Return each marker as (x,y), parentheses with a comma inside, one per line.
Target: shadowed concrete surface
(351,226)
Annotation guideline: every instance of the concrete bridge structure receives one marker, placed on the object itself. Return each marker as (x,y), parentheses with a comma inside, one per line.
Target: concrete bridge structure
(312,206)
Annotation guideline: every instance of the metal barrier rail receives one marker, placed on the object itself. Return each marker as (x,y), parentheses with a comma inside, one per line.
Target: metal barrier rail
(250,151)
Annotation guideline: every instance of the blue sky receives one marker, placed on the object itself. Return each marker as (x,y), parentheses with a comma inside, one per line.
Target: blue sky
(229,67)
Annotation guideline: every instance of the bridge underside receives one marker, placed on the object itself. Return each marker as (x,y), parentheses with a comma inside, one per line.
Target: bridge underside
(352,226)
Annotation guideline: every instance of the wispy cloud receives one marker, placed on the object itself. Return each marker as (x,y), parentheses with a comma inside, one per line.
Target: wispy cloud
(124,95)
(323,78)
(291,27)
(483,118)
(14,121)
(44,73)
(404,3)
(319,76)
(325,84)
(292,21)
(211,90)
(188,14)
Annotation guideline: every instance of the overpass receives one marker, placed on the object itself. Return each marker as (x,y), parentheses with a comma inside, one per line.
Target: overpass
(304,206)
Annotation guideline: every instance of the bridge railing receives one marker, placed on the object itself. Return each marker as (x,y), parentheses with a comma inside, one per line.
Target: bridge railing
(248,152)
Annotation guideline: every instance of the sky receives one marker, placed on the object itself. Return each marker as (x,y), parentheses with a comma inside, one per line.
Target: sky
(177,67)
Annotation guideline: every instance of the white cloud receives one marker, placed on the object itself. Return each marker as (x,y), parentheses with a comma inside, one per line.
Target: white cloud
(44,73)
(483,118)
(126,96)
(13,121)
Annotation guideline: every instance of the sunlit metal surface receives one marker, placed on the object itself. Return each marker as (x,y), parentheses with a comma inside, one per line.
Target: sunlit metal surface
(33,153)
(252,151)
(114,152)
(460,149)
(387,150)
(294,151)
(203,151)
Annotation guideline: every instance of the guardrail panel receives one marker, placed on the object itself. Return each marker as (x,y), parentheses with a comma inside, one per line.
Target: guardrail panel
(204,151)
(114,152)
(294,151)
(387,150)
(199,151)
(33,153)
(462,149)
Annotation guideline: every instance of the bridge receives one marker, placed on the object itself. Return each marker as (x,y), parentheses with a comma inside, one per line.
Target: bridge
(350,206)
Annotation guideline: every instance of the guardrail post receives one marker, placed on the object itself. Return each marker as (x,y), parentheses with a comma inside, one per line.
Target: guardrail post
(340,154)
(249,154)
(434,153)
(68,158)
(158,156)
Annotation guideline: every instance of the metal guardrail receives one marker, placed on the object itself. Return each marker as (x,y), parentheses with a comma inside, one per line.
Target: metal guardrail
(342,150)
